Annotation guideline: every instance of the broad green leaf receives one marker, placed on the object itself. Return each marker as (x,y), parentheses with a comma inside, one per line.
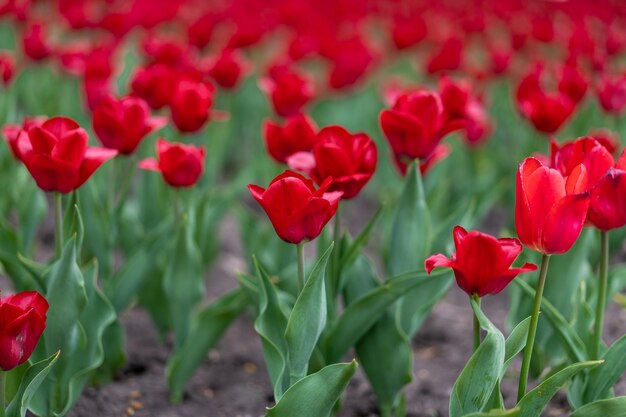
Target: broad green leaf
(613,407)
(315,395)
(207,327)
(514,412)
(574,347)
(603,377)
(533,403)
(270,325)
(307,319)
(183,281)
(364,312)
(515,343)
(28,385)
(474,386)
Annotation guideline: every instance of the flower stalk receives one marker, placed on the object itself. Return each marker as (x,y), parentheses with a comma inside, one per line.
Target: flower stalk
(300,250)
(602,295)
(58,224)
(476,340)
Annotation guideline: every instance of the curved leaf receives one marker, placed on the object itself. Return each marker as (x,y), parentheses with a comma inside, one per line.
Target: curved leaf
(613,407)
(603,377)
(32,379)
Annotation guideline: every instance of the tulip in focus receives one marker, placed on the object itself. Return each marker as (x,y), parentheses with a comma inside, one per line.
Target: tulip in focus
(297,134)
(296,209)
(181,165)
(481,263)
(57,155)
(22,321)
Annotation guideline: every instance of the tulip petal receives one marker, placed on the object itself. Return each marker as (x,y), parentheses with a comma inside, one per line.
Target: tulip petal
(496,285)
(71,147)
(438,260)
(563,223)
(59,126)
(149,164)
(94,157)
(607,209)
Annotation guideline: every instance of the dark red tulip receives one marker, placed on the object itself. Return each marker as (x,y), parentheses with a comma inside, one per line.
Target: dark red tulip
(11,132)
(550,212)
(612,94)
(415,126)
(227,68)
(596,159)
(155,84)
(447,58)
(7,67)
(57,156)
(607,210)
(22,321)
(181,165)
(297,134)
(408,31)
(572,83)
(296,209)
(547,112)
(122,124)
(481,263)
(350,59)
(349,159)
(34,42)
(289,91)
(463,107)
(191,104)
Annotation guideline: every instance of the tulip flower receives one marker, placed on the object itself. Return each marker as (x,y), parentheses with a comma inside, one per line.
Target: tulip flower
(57,155)
(296,209)
(122,124)
(349,159)
(415,126)
(7,67)
(297,134)
(288,90)
(447,58)
(181,165)
(227,68)
(22,321)
(482,263)
(191,104)
(34,42)
(612,94)
(155,84)
(11,132)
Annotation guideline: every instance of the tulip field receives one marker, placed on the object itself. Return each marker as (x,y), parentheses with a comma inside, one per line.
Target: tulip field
(352,208)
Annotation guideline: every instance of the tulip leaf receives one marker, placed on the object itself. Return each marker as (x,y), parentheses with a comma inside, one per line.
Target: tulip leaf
(307,319)
(270,324)
(515,343)
(603,377)
(28,385)
(207,327)
(613,407)
(183,281)
(364,312)
(474,386)
(351,254)
(315,395)
(514,412)
(533,403)
(73,221)
(32,209)
(574,347)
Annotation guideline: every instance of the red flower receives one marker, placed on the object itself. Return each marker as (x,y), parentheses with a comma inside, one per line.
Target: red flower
(122,124)
(464,108)
(22,321)
(549,212)
(296,209)
(191,105)
(349,160)
(482,263)
(406,32)
(596,159)
(57,156)
(7,67)
(34,42)
(350,59)
(296,135)
(11,132)
(612,94)
(288,90)
(96,89)
(227,68)
(155,84)
(607,210)
(447,58)
(181,165)
(415,126)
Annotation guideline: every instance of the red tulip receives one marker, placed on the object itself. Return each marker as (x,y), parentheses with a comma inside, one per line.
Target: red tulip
(227,68)
(298,134)
(296,209)
(612,94)
(607,209)
(596,159)
(57,156)
(288,90)
(607,138)
(447,58)
(350,160)
(407,32)
(95,90)
(22,321)
(34,42)
(155,84)
(547,112)
(122,124)
(482,263)
(549,211)
(11,132)
(7,67)
(181,165)
(191,104)
(350,60)
(464,108)
(415,126)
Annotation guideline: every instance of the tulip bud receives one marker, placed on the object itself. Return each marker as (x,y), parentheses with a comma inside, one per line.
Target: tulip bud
(181,165)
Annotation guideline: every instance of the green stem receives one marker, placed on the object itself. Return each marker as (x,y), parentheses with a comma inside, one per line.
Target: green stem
(3,379)
(476,298)
(58,224)
(300,248)
(602,295)
(532,331)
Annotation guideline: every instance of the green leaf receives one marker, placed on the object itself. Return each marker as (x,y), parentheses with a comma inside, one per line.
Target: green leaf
(533,403)
(574,347)
(316,394)
(613,407)
(183,281)
(515,343)
(270,325)
(73,221)
(30,382)
(363,313)
(353,251)
(603,377)
(307,319)
(514,412)
(474,386)
(207,327)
